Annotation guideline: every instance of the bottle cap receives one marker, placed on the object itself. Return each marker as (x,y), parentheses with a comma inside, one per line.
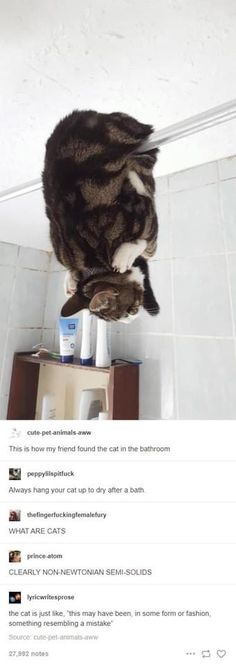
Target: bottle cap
(67,359)
(86,361)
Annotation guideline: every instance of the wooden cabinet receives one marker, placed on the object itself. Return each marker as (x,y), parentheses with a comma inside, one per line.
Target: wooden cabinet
(32,377)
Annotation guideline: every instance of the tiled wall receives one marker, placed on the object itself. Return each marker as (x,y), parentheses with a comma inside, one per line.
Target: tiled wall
(23,287)
(189,350)
(54,300)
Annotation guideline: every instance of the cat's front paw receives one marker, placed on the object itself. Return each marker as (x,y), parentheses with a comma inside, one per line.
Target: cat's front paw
(126,254)
(70,284)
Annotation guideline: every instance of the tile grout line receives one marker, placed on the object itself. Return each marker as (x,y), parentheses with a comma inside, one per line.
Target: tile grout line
(176,393)
(168,334)
(43,328)
(190,256)
(176,335)
(8,328)
(210,181)
(191,188)
(226,257)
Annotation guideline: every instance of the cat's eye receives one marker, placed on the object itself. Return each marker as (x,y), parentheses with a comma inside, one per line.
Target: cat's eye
(133,311)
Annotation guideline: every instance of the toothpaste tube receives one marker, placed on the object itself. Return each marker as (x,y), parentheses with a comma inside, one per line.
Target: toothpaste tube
(68,330)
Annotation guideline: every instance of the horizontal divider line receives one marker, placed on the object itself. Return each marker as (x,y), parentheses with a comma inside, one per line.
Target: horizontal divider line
(125,543)
(151,584)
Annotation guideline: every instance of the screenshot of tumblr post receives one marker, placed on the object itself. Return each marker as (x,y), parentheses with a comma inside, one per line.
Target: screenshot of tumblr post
(118,543)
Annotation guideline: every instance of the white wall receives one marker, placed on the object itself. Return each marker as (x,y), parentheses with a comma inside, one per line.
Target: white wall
(189,350)
(23,221)
(160,61)
(23,289)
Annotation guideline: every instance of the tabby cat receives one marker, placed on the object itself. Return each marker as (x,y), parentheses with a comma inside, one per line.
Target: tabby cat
(99,196)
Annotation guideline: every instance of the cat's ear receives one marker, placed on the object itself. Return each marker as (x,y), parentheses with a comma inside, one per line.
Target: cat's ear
(103,300)
(136,130)
(74,304)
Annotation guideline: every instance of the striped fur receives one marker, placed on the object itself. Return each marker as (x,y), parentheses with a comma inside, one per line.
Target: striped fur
(99,196)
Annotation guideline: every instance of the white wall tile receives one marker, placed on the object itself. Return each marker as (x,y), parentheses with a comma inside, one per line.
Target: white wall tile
(227,168)
(118,348)
(195,220)
(3,407)
(163,243)
(47,338)
(17,340)
(28,300)
(3,338)
(206,372)
(195,177)
(54,264)
(7,276)
(162,185)
(232,270)
(201,297)
(156,373)
(55,299)
(36,259)
(228,192)
(8,254)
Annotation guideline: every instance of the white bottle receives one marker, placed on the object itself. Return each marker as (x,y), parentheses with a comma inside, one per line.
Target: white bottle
(103,416)
(48,407)
(86,354)
(92,401)
(103,346)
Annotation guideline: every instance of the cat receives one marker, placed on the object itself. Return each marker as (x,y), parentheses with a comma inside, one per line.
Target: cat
(99,197)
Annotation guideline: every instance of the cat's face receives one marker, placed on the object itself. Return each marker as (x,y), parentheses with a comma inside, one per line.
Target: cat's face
(118,304)
(114,300)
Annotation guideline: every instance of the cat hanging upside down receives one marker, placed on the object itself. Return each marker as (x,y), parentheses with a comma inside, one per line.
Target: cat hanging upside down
(99,198)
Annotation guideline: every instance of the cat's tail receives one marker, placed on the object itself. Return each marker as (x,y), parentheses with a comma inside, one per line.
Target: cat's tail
(150,303)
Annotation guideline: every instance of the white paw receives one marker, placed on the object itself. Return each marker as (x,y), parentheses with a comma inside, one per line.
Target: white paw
(126,254)
(70,284)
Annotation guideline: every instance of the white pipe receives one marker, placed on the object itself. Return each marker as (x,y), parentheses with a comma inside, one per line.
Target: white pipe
(211,118)
(14,192)
(201,121)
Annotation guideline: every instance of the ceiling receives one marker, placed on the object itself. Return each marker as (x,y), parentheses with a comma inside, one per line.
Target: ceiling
(161,61)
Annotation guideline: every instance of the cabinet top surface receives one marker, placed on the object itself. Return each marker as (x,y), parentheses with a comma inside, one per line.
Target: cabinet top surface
(28,357)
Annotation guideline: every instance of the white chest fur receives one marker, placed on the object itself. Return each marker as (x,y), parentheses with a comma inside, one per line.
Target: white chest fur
(136,275)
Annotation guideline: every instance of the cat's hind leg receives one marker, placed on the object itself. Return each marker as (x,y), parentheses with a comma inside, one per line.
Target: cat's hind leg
(126,254)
